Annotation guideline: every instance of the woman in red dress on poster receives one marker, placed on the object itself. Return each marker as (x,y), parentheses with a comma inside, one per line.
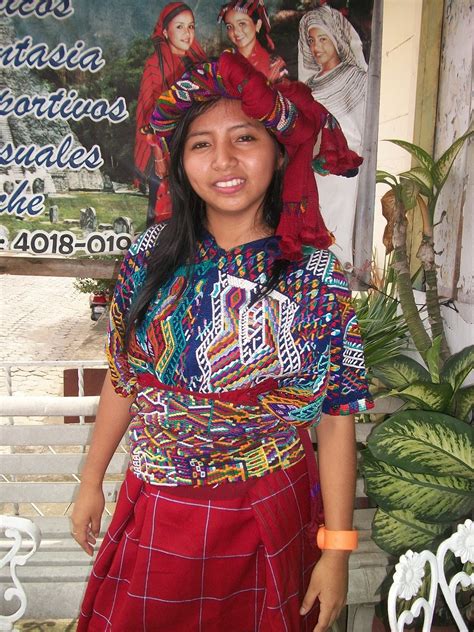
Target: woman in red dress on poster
(248,28)
(176,48)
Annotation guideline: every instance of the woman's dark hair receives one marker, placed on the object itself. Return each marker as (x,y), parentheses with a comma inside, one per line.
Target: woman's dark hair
(178,239)
(261,35)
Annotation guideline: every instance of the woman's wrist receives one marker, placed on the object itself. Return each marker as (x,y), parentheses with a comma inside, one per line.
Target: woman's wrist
(336,554)
(91,480)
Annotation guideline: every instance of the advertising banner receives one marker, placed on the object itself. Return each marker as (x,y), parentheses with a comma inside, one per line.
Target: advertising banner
(78,82)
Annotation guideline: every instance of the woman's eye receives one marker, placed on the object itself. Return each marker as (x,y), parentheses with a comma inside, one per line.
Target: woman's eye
(246,138)
(228,27)
(199,145)
(191,27)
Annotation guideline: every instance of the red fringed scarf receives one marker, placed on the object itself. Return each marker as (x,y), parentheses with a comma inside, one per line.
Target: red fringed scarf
(299,123)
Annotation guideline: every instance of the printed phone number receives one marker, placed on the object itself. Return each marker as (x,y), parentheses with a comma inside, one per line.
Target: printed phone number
(66,243)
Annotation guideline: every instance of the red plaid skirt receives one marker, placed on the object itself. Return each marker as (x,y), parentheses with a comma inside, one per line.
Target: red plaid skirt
(174,563)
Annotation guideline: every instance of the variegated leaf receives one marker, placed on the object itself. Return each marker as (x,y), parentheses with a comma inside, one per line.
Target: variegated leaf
(463,403)
(426,395)
(409,191)
(420,154)
(400,371)
(397,531)
(425,442)
(383,177)
(457,367)
(422,177)
(431,498)
(433,358)
(443,166)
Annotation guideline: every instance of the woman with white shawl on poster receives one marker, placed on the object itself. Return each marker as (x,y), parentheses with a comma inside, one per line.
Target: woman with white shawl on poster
(331,62)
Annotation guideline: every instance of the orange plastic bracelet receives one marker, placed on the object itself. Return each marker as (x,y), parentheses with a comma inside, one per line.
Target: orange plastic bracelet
(337,540)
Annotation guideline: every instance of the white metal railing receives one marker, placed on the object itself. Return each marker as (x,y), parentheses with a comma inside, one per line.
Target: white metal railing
(410,573)
(80,365)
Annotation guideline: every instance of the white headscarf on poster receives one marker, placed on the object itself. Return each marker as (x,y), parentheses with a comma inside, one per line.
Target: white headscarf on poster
(342,90)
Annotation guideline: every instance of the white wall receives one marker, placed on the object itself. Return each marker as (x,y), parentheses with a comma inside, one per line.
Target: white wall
(400,49)
(400,52)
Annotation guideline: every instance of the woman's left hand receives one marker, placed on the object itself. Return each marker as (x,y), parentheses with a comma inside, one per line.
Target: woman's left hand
(328,584)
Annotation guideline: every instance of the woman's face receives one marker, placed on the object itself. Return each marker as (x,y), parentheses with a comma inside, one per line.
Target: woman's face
(241,30)
(180,33)
(323,49)
(229,160)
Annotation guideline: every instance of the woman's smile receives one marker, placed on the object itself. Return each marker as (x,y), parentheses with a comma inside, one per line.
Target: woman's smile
(230,186)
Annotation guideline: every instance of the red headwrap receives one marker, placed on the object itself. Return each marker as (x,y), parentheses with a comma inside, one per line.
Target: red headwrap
(297,121)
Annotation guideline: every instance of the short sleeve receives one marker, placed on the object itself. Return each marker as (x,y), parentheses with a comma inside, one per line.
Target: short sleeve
(347,391)
(130,278)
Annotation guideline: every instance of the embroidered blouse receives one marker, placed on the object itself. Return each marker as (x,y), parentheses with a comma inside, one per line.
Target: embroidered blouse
(221,381)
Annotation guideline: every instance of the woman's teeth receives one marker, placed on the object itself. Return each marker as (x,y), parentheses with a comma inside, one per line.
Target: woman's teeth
(229,183)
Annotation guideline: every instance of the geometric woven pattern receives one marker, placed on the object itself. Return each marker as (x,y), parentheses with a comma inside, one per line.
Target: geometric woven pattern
(302,337)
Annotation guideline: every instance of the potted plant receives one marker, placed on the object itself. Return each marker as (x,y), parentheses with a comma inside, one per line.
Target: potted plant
(418,465)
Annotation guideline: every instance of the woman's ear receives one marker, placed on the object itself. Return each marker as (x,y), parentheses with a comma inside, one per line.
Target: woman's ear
(165,34)
(258,26)
(280,159)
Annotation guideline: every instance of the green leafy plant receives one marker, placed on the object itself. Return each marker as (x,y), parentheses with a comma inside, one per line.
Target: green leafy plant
(383,330)
(418,189)
(418,465)
(94,286)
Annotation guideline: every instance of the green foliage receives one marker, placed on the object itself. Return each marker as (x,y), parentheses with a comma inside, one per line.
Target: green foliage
(457,367)
(384,332)
(417,152)
(418,465)
(425,442)
(392,530)
(428,178)
(91,286)
(400,371)
(431,497)
(440,391)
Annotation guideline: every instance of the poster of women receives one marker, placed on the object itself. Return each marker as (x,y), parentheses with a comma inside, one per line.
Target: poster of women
(78,83)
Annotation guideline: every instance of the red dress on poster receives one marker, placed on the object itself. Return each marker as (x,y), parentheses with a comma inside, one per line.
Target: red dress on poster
(175,49)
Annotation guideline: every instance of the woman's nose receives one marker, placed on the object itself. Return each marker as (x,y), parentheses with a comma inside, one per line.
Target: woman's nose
(224,156)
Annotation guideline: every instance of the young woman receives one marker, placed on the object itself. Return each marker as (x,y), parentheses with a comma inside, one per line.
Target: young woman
(248,28)
(176,48)
(230,329)
(332,64)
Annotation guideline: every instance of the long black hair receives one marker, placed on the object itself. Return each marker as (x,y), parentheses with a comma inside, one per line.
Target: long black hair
(177,241)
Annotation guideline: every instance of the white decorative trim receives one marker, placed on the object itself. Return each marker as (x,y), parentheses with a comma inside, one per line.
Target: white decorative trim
(461,544)
(15,528)
(409,574)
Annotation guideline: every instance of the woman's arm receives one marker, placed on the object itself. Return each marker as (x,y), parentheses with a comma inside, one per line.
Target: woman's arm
(337,468)
(112,420)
